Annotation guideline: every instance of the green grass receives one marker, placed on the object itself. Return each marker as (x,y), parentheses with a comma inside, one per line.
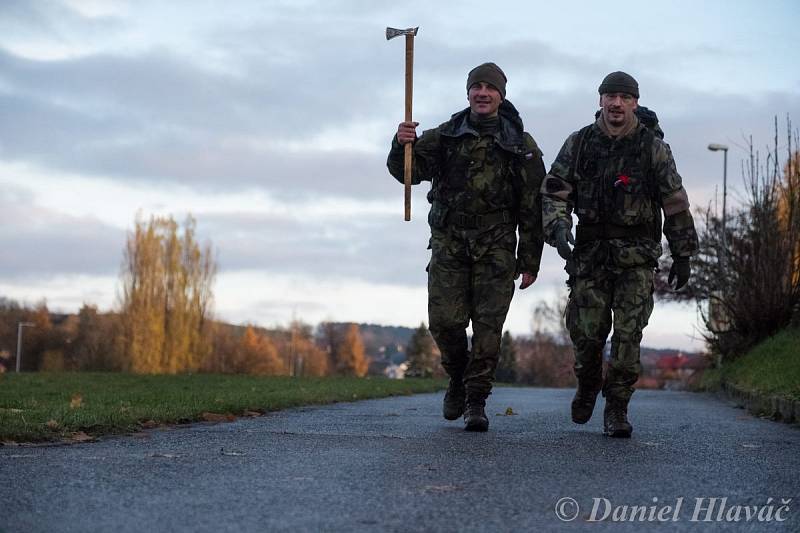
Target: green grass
(772,367)
(56,406)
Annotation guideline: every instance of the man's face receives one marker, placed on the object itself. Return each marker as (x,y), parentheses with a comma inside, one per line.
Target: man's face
(484,99)
(618,108)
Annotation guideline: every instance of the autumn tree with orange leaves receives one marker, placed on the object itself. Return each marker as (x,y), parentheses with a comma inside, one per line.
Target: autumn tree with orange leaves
(166,297)
(350,356)
(257,354)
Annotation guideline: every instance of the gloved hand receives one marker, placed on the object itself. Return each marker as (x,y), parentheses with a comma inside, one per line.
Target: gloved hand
(680,270)
(563,236)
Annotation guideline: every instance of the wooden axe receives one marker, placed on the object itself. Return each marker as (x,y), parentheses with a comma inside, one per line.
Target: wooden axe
(409,33)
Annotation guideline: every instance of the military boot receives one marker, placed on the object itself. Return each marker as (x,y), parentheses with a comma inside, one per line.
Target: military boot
(475,417)
(615,419)
(583,402)
(454,399)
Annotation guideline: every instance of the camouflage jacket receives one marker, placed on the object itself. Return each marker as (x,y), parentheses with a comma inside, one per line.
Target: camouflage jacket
(482,187)
(618,188)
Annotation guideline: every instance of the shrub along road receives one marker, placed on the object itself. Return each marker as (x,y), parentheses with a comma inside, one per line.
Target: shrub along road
(395,465)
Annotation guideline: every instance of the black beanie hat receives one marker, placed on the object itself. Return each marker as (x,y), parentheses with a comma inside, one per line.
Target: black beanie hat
(489,73)
(619,82)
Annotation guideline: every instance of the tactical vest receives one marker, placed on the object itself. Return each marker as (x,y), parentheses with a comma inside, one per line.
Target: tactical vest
(476,169)
(479,184)
(616,194)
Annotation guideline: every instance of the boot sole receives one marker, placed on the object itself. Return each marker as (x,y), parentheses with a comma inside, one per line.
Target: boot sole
(453,417)
(619,434)
(581,420)
(477,426)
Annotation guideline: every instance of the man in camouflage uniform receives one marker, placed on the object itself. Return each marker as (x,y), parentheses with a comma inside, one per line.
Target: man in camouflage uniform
(485,173)
(618,176)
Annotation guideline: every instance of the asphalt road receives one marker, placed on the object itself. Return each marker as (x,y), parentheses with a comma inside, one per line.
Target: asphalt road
(395,465)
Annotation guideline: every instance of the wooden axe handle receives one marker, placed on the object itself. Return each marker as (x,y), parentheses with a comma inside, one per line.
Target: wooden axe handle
(407,161)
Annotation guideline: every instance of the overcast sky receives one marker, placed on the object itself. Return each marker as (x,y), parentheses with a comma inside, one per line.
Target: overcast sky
(270,121)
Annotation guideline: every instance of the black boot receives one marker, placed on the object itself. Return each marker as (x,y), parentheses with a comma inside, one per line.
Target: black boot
(454,399)
(475,417)
(583,402)
(615,419)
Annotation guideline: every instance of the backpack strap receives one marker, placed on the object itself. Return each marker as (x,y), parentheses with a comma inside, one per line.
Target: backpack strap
(646,145)
(576,158)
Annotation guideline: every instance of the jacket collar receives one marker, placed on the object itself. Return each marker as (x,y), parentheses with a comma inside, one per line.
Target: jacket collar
(509,131)
(600,123)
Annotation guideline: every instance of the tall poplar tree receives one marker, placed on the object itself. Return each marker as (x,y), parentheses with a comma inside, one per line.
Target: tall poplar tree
(166,297)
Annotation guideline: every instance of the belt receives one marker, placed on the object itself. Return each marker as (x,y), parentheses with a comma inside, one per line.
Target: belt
(594,232)
(471,221)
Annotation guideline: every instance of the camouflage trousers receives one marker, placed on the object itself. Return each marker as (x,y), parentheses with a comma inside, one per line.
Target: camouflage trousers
(627,296)
(464,288)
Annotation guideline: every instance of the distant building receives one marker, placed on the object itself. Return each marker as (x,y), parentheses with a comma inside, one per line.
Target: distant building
(396,371)
(667,369)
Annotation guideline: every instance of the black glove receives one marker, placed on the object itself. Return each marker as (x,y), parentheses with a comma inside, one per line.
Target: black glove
(563,236)
(680,270)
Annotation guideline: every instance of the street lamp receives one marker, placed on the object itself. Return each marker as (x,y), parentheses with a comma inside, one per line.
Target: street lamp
(717,313)
(715,148)
(19,340)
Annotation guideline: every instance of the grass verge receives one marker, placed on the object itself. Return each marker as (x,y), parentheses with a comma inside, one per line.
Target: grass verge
(771,368)
(79,406)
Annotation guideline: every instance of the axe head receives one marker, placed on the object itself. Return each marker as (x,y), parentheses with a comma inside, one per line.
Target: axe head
(394,32)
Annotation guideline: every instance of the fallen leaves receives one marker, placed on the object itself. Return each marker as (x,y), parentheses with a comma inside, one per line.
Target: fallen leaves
(80,436)
(52,424)
(216,417)
(509,412)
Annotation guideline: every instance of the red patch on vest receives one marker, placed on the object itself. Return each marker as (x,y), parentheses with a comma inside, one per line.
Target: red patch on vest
(622,179)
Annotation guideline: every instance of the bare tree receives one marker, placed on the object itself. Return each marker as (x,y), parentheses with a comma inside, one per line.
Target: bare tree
(750,289)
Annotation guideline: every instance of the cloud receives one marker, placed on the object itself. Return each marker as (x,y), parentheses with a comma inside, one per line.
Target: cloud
(54,29)
(344,246)
(43,243)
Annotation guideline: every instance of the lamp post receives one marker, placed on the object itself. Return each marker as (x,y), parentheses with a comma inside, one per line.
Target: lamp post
(717,312)
(19,340)
(724,148)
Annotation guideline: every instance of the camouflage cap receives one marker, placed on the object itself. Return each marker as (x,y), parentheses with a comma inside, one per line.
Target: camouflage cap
(619,82)
(489,73)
